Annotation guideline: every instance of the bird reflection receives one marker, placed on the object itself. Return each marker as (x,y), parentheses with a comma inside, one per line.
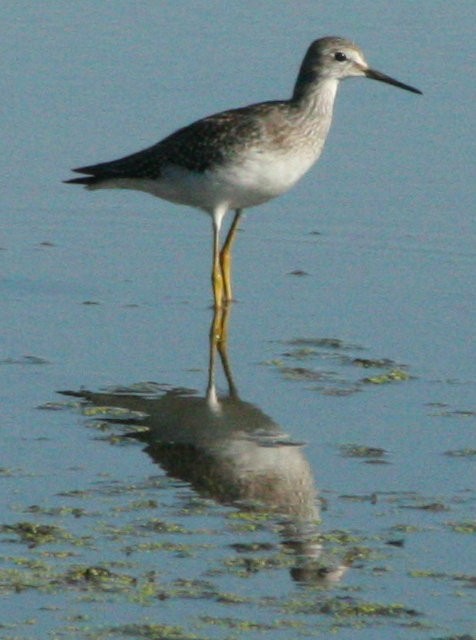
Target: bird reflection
(231,451)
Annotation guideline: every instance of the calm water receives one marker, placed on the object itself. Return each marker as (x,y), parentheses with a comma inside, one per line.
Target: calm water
(353,333)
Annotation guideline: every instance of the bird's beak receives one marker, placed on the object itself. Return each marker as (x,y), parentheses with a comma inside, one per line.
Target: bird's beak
(381,77)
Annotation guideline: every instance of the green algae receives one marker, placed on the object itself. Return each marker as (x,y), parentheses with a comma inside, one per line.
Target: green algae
(341,379)
(131,521)
(362,451)
(349,608)
(243,566)
(394,375)
(248,626)
(33,534)
(161,526)
(144,631)
(462,527)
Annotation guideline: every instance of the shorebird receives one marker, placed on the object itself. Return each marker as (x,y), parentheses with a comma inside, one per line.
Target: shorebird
(243,157)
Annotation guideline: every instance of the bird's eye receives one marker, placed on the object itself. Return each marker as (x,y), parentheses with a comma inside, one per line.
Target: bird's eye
(340,57)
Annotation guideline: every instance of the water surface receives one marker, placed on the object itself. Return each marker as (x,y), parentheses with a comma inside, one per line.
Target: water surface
(327,488)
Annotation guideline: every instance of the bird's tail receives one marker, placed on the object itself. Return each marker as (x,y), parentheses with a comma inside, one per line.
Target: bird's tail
(88,181)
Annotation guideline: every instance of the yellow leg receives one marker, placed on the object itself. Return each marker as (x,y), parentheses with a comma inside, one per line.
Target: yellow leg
(218,342)
(225,257)
(216,329)
(217,276)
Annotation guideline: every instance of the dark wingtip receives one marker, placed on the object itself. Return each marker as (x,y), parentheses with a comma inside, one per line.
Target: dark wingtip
(86,180)
(90,170)
(95,173)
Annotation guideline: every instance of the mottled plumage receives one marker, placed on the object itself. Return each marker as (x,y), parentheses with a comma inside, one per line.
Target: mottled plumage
(243,157)
(199,146)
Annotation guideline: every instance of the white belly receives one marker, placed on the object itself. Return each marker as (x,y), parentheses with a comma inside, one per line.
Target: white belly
(258,177)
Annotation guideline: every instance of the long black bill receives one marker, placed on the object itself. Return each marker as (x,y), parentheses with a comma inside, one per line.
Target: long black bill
(381,77)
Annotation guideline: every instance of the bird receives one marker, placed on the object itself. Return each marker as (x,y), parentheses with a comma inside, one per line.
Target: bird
(243,157)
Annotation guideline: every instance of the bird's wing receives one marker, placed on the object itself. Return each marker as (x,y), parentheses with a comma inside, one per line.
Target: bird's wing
(198,147)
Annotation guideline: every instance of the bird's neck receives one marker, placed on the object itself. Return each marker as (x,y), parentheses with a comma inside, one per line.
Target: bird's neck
(311,109)
(315,95)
